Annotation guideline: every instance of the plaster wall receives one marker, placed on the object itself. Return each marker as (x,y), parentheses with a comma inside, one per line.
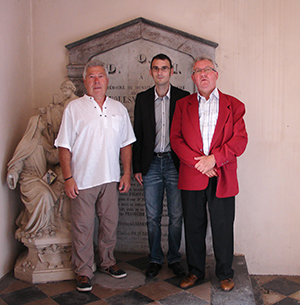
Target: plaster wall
(15,109)
(257,57)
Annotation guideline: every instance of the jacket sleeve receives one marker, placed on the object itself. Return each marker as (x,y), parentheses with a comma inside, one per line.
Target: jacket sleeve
(185,153)
(138,130)
(234,144)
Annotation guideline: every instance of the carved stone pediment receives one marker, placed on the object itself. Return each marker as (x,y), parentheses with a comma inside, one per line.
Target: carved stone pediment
(139,30)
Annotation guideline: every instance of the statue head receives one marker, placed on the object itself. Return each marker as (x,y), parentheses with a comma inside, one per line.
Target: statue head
(67,88)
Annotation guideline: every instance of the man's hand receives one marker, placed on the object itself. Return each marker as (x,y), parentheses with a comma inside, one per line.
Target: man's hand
(124,185)
(139,178)
(71,188)
(212,173)
(206,164)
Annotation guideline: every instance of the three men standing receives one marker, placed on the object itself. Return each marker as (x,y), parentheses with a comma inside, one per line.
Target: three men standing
(208,134)
(155,164)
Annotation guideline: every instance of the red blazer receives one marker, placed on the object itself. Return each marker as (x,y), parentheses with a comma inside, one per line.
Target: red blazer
(229,141)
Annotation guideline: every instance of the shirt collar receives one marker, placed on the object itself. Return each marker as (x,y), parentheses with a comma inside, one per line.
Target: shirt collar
(215,93)
(157,97)
(92,98)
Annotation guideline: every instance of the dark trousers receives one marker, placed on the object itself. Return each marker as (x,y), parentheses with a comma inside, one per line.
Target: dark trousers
(222,212)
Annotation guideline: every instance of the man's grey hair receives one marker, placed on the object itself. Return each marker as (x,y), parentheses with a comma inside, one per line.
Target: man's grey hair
(94,63)
(205,57)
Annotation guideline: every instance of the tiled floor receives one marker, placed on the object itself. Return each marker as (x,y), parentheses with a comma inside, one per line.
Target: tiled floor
(279,290)
(135,289)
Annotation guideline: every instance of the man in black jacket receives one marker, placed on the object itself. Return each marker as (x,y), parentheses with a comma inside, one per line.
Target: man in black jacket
(155,165)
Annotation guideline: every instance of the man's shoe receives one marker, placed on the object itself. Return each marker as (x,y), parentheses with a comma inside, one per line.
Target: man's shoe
(227,284)
(152,270)
(189,281)
(177,269)
(83,283)
(115,272)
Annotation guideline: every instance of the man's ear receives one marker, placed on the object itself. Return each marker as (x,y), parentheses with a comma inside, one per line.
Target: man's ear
(171,72)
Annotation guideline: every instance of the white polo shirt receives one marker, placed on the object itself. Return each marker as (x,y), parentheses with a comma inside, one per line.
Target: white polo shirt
(94,138)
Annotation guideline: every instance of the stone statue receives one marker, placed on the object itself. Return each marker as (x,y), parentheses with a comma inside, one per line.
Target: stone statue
(44,225)
(55,109)
(28,166)
(68,90)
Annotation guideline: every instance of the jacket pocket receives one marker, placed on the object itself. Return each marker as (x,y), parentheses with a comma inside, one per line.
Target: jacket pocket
(231,166)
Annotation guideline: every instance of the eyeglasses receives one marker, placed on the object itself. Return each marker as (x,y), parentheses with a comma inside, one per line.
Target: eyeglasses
(163,68)
(205,70)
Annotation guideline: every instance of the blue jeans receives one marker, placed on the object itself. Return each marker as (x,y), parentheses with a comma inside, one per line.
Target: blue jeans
(163,175)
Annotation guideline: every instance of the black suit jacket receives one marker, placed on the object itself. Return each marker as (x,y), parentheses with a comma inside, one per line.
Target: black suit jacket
(144,128)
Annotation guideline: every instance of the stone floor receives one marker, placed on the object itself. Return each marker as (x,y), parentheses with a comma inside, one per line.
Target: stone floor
(274,289)
(163,289)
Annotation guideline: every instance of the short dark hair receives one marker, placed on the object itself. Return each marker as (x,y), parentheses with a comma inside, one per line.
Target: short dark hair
(161,57)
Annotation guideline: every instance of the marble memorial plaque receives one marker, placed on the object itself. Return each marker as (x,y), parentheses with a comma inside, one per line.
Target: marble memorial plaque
(128,68)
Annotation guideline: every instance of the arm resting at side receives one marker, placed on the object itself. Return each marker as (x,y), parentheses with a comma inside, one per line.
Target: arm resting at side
(126,157)
(71,188)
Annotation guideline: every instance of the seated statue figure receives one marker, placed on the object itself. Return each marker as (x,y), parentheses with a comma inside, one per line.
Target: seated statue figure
(28,166)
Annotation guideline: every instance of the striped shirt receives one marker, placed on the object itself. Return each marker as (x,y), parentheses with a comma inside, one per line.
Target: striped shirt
(208,116)
(162,122)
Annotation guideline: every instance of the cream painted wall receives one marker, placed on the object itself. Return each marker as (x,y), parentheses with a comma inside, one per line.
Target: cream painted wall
(15,109)
(257,57)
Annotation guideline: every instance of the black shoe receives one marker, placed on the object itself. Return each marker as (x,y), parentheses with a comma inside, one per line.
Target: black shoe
(152,270)
(177,269)
(83,283)
(115,272)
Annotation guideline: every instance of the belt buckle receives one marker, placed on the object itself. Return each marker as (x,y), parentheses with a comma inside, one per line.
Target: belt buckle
(162,155)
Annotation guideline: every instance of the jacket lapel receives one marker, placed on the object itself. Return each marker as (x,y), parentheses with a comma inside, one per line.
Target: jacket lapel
(151,109)
(224,111)
(193,112)
(173,99)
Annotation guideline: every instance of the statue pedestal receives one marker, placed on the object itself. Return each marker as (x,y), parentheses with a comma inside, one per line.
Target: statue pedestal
(47,259)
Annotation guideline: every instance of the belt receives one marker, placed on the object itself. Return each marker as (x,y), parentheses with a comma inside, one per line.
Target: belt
(162,154)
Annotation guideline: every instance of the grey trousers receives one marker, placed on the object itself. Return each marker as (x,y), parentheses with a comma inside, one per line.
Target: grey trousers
(102,201)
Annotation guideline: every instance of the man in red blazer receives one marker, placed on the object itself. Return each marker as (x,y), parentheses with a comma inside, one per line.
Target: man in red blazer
(208,134)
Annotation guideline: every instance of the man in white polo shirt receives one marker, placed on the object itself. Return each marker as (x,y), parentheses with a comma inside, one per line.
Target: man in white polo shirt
(95,131)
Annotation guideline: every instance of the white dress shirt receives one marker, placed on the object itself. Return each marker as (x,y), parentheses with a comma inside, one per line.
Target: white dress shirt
(208,116)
